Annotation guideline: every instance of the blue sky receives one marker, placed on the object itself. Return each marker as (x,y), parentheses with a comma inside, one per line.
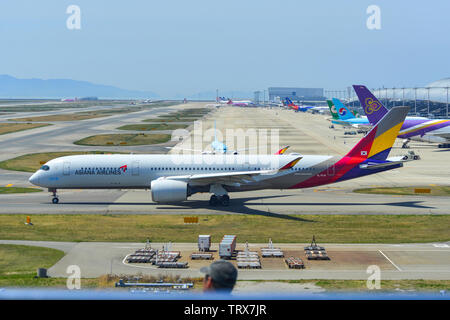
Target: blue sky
(184,47)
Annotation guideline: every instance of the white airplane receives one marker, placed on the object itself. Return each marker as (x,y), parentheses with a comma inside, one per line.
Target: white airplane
(173,178)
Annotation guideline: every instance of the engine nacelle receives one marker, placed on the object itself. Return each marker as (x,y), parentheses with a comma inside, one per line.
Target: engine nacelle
(169,190)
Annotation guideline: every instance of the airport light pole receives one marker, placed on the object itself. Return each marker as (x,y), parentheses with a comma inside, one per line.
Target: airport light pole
(415,101)
(386,99)
(428,107)
(403,89)
(393,97)
(447,102)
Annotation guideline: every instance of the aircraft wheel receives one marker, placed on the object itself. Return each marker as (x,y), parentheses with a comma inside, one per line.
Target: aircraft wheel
(55,200)
(213,201)
(225,200)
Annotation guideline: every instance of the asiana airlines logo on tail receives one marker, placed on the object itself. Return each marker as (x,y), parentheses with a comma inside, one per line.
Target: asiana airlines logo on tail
(371,106)
(106,171)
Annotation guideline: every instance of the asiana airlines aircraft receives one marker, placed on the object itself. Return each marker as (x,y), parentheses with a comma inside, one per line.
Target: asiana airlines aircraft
(173,178)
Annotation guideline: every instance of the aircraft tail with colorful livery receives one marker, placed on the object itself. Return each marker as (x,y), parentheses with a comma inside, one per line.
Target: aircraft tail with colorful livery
(367,157)
(414,128)
(333,110)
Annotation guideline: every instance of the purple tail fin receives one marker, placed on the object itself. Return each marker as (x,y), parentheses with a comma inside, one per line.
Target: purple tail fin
(373,108)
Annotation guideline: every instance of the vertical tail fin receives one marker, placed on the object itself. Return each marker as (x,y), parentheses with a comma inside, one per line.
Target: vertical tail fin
(343,112)
(373,108)
(378,142)
(332,110)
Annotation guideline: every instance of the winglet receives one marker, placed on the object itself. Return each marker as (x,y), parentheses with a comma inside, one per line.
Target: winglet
(291,164)
(282,150)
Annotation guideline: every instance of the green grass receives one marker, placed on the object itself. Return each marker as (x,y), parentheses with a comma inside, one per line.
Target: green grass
(124,139)
(33,161)
(434,190)
(6,128)
(156,126)
(252,228)
(22,262)
(92,114)
(7,190)
(56,106)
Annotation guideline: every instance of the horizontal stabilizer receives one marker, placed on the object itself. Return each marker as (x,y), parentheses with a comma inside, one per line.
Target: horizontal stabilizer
(372,166)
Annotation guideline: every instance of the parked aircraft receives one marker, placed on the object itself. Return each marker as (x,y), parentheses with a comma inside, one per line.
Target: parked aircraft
(346,118)
(295,107)
(173,178)
(414,128)
(243,103)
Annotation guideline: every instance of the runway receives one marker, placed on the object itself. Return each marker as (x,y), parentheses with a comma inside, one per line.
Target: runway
(266,202)
(61,134)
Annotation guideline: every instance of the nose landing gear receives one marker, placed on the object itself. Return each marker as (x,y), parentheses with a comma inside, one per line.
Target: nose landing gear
(55,199)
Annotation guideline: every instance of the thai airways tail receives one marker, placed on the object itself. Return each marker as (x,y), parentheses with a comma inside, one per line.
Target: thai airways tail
(373,108)
(377,144)
(343,112)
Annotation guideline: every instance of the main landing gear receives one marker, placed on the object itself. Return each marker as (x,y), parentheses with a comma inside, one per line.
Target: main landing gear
(55,199)
(405,144)
(219,200)
(219,197)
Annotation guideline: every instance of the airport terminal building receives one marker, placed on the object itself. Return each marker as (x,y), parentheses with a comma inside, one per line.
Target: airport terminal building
(296,94)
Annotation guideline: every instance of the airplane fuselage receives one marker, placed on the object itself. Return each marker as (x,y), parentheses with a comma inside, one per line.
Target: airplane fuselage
(137,171)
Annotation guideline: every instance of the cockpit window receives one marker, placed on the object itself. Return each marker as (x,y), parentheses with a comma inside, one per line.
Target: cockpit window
(45,167)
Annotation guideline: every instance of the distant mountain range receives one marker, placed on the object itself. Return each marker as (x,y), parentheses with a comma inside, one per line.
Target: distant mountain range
(11,87)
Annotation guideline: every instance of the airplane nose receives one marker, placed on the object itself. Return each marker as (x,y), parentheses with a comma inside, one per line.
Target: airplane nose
(34,179)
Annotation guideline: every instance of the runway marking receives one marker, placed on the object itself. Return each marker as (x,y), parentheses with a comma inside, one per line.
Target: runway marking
(390,260)
(440,245)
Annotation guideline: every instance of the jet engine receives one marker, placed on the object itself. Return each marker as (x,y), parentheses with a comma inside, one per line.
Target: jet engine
(169,190)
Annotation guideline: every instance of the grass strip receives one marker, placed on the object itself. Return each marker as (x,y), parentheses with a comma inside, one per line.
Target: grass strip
(252,228)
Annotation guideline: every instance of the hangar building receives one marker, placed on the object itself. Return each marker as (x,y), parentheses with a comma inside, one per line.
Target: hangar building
(296,94)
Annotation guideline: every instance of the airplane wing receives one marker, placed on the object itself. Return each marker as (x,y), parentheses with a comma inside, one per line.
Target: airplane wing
(232,178)
(362,126)
(444,135)
(342,123)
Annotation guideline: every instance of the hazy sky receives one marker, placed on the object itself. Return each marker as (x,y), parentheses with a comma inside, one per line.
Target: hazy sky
(184,47)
